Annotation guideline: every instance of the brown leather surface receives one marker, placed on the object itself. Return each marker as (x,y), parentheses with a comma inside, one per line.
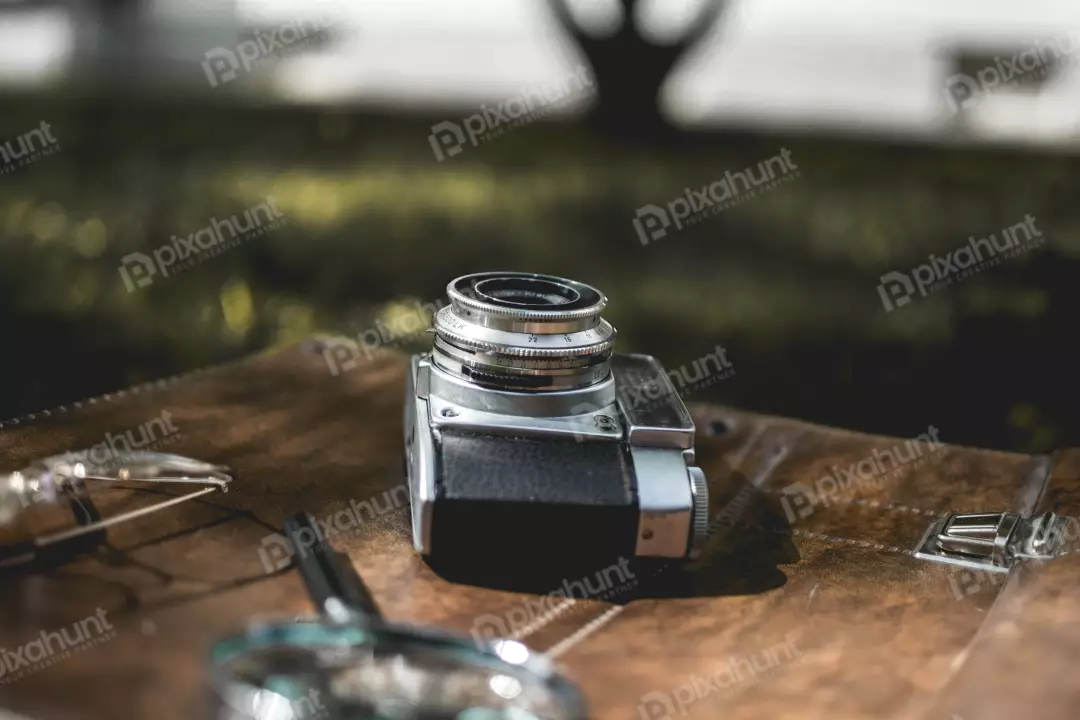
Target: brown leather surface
(828,615)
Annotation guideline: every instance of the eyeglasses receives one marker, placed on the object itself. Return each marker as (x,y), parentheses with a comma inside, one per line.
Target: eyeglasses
(350,663)
(61,479)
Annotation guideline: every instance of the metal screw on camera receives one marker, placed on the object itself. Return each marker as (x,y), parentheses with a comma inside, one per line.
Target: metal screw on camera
(604,422)
(449,412)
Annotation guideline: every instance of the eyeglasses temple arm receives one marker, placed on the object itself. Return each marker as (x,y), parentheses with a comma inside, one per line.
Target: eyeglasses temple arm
(221,483)
(47,540)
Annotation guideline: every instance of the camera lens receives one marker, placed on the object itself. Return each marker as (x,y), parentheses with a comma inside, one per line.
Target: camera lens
(525,293)
(523,332)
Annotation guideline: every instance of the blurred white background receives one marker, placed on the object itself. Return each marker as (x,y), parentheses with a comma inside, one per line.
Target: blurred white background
(874,66)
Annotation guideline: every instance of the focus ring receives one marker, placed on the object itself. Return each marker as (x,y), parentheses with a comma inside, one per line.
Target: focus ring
(502,349)
(483,308)
(517,363)
(524,332)
(456,331)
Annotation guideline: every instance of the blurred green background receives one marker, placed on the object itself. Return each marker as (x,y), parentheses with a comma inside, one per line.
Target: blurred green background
(785,282)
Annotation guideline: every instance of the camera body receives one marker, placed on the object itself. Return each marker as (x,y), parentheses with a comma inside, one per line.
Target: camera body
(521,440)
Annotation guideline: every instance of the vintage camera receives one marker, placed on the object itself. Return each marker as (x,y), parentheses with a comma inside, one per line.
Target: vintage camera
(523,430)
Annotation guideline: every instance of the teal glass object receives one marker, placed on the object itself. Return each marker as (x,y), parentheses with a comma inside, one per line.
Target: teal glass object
(320,670)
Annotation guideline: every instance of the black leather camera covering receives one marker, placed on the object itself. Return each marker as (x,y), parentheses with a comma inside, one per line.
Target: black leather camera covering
(518,495)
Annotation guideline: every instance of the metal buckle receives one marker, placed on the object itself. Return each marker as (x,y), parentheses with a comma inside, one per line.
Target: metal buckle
(992,541)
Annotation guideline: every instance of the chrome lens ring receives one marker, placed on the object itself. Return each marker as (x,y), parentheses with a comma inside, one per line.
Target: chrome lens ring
(522,331)
(514,301)
(456,331)
(517,373)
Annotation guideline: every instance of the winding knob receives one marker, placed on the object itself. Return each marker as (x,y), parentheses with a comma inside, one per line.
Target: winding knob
(699,519)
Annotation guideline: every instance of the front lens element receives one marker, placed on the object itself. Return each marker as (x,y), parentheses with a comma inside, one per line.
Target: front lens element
(525,293)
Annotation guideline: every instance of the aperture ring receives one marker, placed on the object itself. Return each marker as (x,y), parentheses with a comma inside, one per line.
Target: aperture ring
(508,378)
(514,324)
(516,363)
(456,331)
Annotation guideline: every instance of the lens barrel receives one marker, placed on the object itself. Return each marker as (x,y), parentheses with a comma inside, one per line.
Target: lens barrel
(523,332)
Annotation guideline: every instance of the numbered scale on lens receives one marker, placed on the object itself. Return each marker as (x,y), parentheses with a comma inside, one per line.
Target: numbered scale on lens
(516,331)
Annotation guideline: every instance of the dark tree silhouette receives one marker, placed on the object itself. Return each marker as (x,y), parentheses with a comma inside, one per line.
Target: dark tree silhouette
(629,69)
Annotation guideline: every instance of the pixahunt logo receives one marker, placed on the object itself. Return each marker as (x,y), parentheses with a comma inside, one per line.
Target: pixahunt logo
(646,393)
(147,436)
(448,138)
(150,435)
(23,150)
(610,581)
(652,222)
(685,379)
(964,91)
(138,269)
(276,551)
(733,678)
(869,473)
(897,288)
(277,702)
(965,582)
(222,65)
(52,647)
(343,354)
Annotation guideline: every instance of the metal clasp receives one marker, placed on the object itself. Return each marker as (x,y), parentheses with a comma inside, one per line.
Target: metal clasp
(992,541)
